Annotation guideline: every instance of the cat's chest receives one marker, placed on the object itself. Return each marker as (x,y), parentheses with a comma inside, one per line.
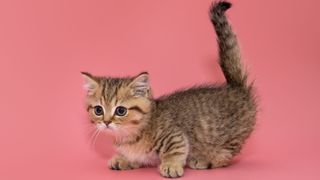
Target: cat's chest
(139,152)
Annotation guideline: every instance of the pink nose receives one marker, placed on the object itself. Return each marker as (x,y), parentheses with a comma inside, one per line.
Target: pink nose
(107,122)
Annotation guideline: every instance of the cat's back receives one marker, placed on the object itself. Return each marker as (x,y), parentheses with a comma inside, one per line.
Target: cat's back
(214,96)
(213,101)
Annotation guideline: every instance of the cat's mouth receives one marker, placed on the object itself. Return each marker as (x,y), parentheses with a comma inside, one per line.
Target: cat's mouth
(104,125)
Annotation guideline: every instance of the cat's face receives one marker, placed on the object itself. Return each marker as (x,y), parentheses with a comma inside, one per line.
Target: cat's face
(121,105)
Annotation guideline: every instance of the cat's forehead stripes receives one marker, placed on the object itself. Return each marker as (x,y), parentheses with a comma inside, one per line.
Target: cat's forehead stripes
(112,87)
(103,92)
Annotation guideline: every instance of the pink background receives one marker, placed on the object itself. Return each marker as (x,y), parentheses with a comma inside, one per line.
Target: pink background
(44,44)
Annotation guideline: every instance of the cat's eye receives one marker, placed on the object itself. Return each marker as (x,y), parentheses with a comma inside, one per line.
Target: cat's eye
(120,111)
(98,110)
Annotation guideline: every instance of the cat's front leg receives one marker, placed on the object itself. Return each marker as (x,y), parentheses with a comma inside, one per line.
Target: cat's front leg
(119,162)
(173,155)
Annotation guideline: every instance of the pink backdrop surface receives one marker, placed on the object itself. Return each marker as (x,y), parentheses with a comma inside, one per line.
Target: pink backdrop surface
(44,44)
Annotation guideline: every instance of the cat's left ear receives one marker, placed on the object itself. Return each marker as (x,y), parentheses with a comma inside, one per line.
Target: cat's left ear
(90,83)
(140,86)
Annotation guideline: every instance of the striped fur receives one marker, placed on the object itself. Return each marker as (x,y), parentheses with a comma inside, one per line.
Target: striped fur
(202,127)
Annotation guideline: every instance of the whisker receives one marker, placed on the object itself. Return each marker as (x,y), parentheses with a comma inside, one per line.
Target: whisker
(93,136)
(96,137)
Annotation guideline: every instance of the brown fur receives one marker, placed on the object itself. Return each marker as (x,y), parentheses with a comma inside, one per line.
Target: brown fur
(202,127)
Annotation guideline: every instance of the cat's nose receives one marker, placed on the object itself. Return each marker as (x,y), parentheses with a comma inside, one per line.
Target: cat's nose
(107,122)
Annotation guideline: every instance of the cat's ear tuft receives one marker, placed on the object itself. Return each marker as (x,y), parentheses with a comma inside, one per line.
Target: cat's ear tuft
(90,83)
(140,85)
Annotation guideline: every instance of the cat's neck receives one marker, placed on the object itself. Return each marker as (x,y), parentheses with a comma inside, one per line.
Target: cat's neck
(134,135)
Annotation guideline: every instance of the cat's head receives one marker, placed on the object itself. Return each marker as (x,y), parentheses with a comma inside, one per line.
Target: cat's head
(121,105)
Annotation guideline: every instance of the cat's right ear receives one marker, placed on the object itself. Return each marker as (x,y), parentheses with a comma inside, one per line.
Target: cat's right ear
(140,85)
(90,83)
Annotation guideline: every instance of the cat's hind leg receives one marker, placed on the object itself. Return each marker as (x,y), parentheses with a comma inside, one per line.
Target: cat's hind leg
(221,158)
(199,163)
(214,159)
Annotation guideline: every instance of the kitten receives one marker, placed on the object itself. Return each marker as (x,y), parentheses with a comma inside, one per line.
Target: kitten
(202,127)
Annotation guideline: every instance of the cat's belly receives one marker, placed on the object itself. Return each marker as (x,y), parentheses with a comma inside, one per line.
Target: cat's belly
(139,154)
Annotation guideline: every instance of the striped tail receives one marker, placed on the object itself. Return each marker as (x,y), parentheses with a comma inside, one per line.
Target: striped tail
(229,52)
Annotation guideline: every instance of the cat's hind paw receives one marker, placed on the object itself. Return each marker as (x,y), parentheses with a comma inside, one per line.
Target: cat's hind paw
(199,164)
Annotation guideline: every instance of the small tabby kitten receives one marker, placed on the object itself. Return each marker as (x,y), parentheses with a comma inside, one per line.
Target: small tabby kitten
(202,127)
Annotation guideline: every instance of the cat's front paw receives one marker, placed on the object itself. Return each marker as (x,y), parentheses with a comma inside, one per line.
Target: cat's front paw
(120,163)
(171,170)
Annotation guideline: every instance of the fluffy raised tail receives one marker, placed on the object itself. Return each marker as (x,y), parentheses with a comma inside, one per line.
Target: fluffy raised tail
(229,52)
